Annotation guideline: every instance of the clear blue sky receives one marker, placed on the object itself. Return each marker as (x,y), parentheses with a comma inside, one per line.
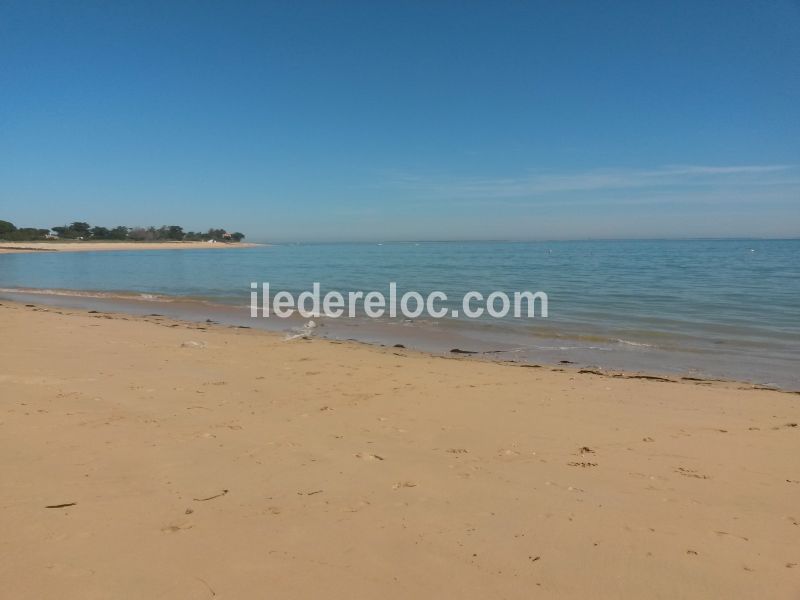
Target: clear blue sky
(404,120)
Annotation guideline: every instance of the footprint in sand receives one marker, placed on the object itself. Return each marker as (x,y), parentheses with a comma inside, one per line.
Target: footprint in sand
(193,344)
(691,473)
(367,456)
(404,484)
(176,528)
(502,452)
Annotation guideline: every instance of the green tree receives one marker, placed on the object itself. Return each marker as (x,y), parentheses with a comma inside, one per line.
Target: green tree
(64,232)
(26,234)
(6,227)
(80,228)
(100,233)
(175,232)
(118,233)
(237,236)
(77,229)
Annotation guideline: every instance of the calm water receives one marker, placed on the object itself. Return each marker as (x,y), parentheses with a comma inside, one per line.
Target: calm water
(727,309)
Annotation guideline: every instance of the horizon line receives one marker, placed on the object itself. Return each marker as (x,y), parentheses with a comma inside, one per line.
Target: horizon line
(533,240)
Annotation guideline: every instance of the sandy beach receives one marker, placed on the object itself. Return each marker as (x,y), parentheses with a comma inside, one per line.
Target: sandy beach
(20,247)
(149,458)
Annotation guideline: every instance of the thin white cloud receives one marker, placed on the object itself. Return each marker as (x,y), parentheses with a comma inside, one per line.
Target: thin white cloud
(735,170)
(537,183)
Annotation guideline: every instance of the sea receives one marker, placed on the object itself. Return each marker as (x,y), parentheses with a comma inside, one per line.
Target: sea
(701,309)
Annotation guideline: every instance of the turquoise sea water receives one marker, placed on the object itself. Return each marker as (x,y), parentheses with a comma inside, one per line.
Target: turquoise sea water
(711,308)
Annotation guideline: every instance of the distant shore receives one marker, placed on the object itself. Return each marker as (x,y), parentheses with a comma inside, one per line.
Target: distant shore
(88,246)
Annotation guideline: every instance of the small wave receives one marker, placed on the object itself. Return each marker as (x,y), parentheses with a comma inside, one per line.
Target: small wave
(629,343)
(570,348)
(87,294)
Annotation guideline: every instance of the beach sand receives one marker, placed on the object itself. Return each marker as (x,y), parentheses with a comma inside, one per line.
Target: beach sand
(24,247)
(203,461)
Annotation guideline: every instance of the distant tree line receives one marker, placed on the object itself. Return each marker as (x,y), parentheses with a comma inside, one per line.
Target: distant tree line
(24,234)
(80,230)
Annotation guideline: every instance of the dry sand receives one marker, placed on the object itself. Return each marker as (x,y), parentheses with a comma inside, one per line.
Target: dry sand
(23,247)
(210,462)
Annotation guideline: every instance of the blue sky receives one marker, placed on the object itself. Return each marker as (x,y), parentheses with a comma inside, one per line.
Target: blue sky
(404,120)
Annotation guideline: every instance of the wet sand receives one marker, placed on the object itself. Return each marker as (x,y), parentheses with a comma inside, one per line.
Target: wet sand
(27,247)
(442,337)
(146,457)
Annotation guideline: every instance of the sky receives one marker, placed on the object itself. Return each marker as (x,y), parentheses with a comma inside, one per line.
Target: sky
(338,121)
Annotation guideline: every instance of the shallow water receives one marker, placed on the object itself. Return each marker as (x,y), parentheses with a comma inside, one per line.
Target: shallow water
(711,308)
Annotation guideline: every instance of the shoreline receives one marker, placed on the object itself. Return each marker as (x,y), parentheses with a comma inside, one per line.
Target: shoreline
(88,246)
(425,339)
(209,456)
(480,357)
